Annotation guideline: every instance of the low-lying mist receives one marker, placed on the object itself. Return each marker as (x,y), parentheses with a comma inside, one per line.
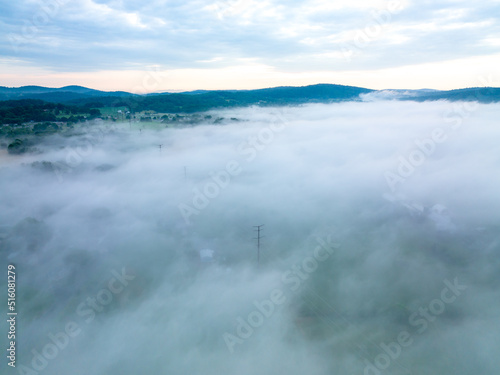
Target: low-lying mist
(135,245)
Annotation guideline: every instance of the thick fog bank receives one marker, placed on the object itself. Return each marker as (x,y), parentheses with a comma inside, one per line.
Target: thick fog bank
(379,251)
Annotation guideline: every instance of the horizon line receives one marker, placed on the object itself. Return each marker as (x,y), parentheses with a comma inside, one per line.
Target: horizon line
(262,88)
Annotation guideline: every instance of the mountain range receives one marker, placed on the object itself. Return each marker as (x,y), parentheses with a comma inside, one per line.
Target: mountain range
(202,100)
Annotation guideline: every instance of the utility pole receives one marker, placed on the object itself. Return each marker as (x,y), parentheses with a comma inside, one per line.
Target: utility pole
(258,240)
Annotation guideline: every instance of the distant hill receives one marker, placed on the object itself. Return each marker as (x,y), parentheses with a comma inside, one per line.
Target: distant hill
(203,100)
(199,101)
(479,94)
(56,95)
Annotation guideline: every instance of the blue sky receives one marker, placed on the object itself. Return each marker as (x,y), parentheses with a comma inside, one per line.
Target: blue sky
(173,45)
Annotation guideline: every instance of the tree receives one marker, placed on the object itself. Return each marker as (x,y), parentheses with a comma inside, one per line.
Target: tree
(16,147)
(94,112)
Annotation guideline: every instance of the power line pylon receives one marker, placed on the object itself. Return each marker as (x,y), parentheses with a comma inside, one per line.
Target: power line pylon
(258,238)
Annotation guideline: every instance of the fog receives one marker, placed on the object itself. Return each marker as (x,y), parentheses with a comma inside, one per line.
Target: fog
(379,251)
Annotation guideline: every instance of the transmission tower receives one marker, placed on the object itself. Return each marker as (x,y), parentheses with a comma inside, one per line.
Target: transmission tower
(258,238)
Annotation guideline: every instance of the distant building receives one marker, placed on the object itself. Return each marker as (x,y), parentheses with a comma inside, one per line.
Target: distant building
(207,256)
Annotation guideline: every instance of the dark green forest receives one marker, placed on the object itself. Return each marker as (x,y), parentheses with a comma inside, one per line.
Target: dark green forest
(34,110)
(72,104)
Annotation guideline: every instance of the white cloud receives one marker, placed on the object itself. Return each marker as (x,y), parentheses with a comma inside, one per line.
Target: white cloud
(251,74)
(319,173)
(309,38)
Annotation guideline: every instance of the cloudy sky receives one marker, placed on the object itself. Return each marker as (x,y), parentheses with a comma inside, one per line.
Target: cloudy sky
(164,45)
